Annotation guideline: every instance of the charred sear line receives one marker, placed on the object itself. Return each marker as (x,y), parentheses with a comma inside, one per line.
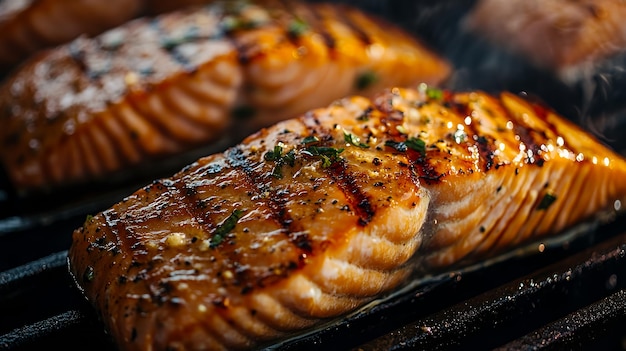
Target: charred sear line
(299,23)
(169,45)
(485,151)
(246,51)
(348,184)
(197,208)
(533,150)
(529,137)
(343,13)
(273,199)
(317,23)
(485,145)
(542,112)
(425,170)
(118,230)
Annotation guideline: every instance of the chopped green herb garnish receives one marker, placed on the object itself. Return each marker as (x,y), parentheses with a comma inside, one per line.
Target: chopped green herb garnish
(226,227)
(233,23)
(416,144)
(399,146)
(365,80)
(297,27)
(412,143)
(289,158)
(88,218)
(328,155)
(89,274)
(547,201)
(434,94)
(277,156)
(364,116)
(354,140)
(169,43)
(311,139)
(230,23)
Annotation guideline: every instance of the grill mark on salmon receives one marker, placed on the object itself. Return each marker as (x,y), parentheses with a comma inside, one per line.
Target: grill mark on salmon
(177,81)
(237,159)
(258,284)
(275,201)
(349,185)
(337,171)
(28,27)
(359,32)
(317,19)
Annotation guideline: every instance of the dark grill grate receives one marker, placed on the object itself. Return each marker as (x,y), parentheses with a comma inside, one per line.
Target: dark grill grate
(572,297)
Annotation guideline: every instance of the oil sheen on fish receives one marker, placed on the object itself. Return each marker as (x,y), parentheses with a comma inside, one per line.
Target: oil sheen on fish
(312,218)
(158,86)
(28,26)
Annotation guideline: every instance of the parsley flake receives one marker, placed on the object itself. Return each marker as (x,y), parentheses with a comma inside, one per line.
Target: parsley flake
(297,27)
(547,200)
(328,155)
(226,227)
(277,156)
(399,146)
(416,144)
(434,94)
(366,80)
(354,140)
(311,139)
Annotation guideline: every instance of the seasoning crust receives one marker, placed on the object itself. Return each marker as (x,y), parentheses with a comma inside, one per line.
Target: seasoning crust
(158,86)
(313,217)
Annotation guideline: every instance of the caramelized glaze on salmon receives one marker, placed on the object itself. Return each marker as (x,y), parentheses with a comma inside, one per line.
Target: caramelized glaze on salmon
(29,26)
(313,217)
(159,86)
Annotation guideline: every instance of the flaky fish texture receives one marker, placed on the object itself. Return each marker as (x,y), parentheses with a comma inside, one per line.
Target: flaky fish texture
(314,217)
(158,86)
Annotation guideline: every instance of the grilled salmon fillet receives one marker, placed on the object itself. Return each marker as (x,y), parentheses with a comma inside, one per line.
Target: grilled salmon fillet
(28,26)
(313,217)
(553,34)
(158,86)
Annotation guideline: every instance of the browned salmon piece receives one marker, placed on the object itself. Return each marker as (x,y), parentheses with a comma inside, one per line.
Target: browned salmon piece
(158,86)
(312,218)
(554,34)
(27,26)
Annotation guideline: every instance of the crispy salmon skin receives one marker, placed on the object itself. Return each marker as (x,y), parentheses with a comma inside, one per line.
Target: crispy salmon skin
(159,86)
(313,217)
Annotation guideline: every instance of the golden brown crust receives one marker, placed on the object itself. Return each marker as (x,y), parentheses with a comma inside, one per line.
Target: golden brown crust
(27,26)
(313,217)
(158,86)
